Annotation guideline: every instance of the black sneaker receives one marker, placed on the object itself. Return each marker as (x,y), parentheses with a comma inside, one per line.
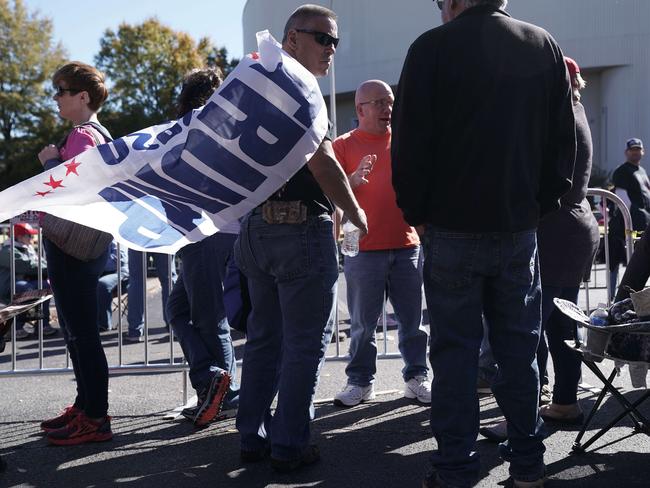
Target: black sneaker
(190,412)
(432,480)
(211,399)
(310,455)
(254,456)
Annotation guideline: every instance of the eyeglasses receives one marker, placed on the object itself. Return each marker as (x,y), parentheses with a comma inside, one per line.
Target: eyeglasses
(379,102)
(321,37)
(440,3)
(60,91)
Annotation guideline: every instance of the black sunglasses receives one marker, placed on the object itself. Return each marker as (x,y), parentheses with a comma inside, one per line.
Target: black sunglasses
(60,91)
(321,37)
(440,3)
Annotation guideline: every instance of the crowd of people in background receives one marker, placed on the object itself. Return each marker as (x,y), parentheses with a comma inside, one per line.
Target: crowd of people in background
(476,194)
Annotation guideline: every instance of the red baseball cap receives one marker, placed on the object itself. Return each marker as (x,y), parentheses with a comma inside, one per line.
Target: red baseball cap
(24,230)
(572,66)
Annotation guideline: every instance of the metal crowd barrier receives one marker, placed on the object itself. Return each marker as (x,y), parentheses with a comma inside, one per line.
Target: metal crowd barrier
(173,363)
(605,197)
(176,363)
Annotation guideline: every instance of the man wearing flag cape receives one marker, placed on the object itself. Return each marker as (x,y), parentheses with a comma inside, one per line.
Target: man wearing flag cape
(287,250)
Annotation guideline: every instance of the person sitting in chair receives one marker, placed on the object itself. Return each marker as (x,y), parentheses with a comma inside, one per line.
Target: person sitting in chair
(25,259)
(108,284)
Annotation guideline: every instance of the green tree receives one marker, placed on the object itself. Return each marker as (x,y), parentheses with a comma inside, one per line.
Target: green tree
(145,64)
(28,58)
(218,57)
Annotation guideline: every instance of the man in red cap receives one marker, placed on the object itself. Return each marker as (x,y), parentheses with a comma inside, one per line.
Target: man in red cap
(26,268)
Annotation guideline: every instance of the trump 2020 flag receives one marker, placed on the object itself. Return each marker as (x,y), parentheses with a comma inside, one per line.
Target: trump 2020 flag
(172,184)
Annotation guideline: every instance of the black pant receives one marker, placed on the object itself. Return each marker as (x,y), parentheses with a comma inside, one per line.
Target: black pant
(74,284)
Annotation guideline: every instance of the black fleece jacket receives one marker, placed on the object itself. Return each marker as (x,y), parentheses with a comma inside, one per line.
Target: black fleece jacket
(483,127)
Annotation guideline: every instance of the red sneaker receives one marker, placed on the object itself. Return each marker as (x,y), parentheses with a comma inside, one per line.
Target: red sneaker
(212,399)
(81,430)
(62,420)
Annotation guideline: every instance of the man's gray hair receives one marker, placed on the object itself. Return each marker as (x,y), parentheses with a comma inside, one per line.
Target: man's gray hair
(502,4)
(306,12)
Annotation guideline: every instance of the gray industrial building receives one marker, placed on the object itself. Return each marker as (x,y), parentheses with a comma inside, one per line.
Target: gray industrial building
(608,38)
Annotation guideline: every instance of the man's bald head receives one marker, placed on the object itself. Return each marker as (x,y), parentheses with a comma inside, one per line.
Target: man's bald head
(368,88)
(374,104)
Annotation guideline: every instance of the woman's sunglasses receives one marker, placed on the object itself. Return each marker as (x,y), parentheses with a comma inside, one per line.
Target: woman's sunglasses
(321,37)
(60,91)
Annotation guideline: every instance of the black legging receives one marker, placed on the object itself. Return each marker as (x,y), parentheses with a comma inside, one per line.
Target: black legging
(74,285)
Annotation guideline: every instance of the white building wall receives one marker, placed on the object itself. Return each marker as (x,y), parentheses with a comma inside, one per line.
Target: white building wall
(610,39)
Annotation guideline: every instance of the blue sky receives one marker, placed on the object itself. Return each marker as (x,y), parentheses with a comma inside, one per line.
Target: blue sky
(79,24)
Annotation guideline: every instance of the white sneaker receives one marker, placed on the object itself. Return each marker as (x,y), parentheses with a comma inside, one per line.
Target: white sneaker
(418,387)
(353,395)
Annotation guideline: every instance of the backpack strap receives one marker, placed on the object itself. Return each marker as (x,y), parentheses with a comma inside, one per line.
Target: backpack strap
(98,127)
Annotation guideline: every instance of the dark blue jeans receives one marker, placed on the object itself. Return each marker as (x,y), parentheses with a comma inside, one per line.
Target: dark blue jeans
(566,362)
(466,275)
(292,271)
(196,311)
(105,287)
(135,312)
(74,284)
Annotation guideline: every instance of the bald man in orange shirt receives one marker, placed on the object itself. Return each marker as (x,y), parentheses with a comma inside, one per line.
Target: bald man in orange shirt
(389,257)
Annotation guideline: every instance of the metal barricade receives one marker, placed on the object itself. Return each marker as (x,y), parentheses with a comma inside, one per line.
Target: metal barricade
(605,197)
(176,363)
(173,363)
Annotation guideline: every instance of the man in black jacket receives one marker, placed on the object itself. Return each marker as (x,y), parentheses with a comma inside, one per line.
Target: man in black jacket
(483,146)
(632,185)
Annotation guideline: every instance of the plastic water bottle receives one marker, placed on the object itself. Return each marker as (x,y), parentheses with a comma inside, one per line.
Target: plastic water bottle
(350,245)
(599,317)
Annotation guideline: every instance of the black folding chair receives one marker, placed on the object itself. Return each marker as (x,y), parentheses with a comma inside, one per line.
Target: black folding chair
(630,409)
(594,351)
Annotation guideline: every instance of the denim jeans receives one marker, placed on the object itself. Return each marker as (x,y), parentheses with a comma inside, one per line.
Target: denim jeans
(23,286)
(487,366)
(292,270)
(135,313)
(558,327)
(196,311)
(105,287)
(466,275)
(368,275)
(74,284)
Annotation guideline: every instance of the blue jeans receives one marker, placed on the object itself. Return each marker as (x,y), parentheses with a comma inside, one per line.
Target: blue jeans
(487,366)
(28,285)
(292,271)
(558,327)
(368,275)
(466,275)
(135,313)
(105,287)
(74,284)
(196,311)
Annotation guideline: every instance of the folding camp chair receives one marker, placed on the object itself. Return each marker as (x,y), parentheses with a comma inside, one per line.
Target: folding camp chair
(594,351)
(121,302)
(641,423)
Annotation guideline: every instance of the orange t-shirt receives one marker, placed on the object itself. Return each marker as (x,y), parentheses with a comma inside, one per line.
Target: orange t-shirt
(386,226)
